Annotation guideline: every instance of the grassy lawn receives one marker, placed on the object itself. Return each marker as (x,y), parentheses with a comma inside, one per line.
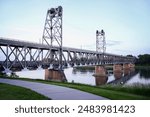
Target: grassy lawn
(11,92)
(108,91)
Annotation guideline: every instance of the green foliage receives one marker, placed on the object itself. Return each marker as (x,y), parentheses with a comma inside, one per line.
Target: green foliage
(143,59)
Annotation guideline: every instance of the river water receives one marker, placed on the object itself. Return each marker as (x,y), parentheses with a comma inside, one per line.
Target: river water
(86,76)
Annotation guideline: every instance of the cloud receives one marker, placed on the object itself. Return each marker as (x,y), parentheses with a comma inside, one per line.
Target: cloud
(112,43)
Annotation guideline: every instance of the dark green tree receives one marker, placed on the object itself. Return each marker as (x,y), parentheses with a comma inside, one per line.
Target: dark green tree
(143,59)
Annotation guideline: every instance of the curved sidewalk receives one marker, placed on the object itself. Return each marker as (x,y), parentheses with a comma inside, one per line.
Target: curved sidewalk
(54,92)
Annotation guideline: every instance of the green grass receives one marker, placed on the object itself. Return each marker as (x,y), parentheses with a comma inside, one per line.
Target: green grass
(108,91)
(104,91)
(11,92)
(137,89)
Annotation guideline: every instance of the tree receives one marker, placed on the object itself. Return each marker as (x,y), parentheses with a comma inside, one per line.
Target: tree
(143,59)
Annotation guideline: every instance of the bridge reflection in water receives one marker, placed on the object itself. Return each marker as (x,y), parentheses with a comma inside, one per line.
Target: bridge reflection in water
(122,78)
(113,77)
(101,80)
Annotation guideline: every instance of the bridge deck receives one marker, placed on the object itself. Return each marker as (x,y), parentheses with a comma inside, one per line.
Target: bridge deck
(22,54)
(18,43)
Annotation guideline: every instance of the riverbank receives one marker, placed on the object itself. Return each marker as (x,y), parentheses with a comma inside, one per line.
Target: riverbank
(136,92)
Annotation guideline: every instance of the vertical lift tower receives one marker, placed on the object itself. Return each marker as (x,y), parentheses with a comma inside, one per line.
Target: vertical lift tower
(52,36)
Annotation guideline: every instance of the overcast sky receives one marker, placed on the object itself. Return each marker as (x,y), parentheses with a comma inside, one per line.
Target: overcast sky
(126,22)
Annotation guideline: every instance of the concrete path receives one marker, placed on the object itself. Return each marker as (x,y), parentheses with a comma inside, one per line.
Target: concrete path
(52,91)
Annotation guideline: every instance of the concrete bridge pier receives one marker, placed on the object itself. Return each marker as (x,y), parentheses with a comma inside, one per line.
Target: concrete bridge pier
(128,68)
(100,71)
(132,65)
(100,80)
(55,75)
(100,75)
(128,65)
(117,70)
(126,72)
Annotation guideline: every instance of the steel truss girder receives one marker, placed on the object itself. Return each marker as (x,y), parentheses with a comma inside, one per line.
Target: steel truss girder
(16,57)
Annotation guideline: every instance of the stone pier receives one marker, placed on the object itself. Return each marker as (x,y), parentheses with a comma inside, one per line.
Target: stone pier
(128,66)
(117,70)
(55,75)
(129,69)
(132,65)
(100,71)
(100,80)
(118,75)
(100,75)
(126,72)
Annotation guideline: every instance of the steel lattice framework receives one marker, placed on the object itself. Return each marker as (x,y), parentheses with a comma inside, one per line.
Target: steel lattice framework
(19,55)
(101,44)
(52,34)
(100,41)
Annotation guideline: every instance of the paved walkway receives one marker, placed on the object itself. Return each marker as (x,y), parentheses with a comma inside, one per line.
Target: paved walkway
(54,92)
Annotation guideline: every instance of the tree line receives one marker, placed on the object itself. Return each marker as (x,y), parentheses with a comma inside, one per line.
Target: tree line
(143,59)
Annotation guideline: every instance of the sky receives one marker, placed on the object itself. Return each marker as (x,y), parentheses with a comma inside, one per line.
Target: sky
(126,23)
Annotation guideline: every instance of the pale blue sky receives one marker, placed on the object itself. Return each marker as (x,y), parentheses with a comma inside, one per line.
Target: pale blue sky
(126,22)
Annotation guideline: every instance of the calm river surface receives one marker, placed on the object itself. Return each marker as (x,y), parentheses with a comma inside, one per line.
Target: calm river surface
(86,77)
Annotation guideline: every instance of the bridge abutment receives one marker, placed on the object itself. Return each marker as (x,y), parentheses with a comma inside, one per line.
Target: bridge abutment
(55,75)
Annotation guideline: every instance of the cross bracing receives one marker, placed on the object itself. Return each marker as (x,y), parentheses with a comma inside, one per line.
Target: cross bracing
(20,54)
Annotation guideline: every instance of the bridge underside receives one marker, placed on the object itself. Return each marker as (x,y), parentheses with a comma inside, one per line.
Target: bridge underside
(17,55)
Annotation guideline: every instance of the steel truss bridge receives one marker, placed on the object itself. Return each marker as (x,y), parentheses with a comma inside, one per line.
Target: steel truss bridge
(20,54)
(17,55)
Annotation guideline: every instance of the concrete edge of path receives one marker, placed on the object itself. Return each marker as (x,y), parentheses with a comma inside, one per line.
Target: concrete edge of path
(53,91)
